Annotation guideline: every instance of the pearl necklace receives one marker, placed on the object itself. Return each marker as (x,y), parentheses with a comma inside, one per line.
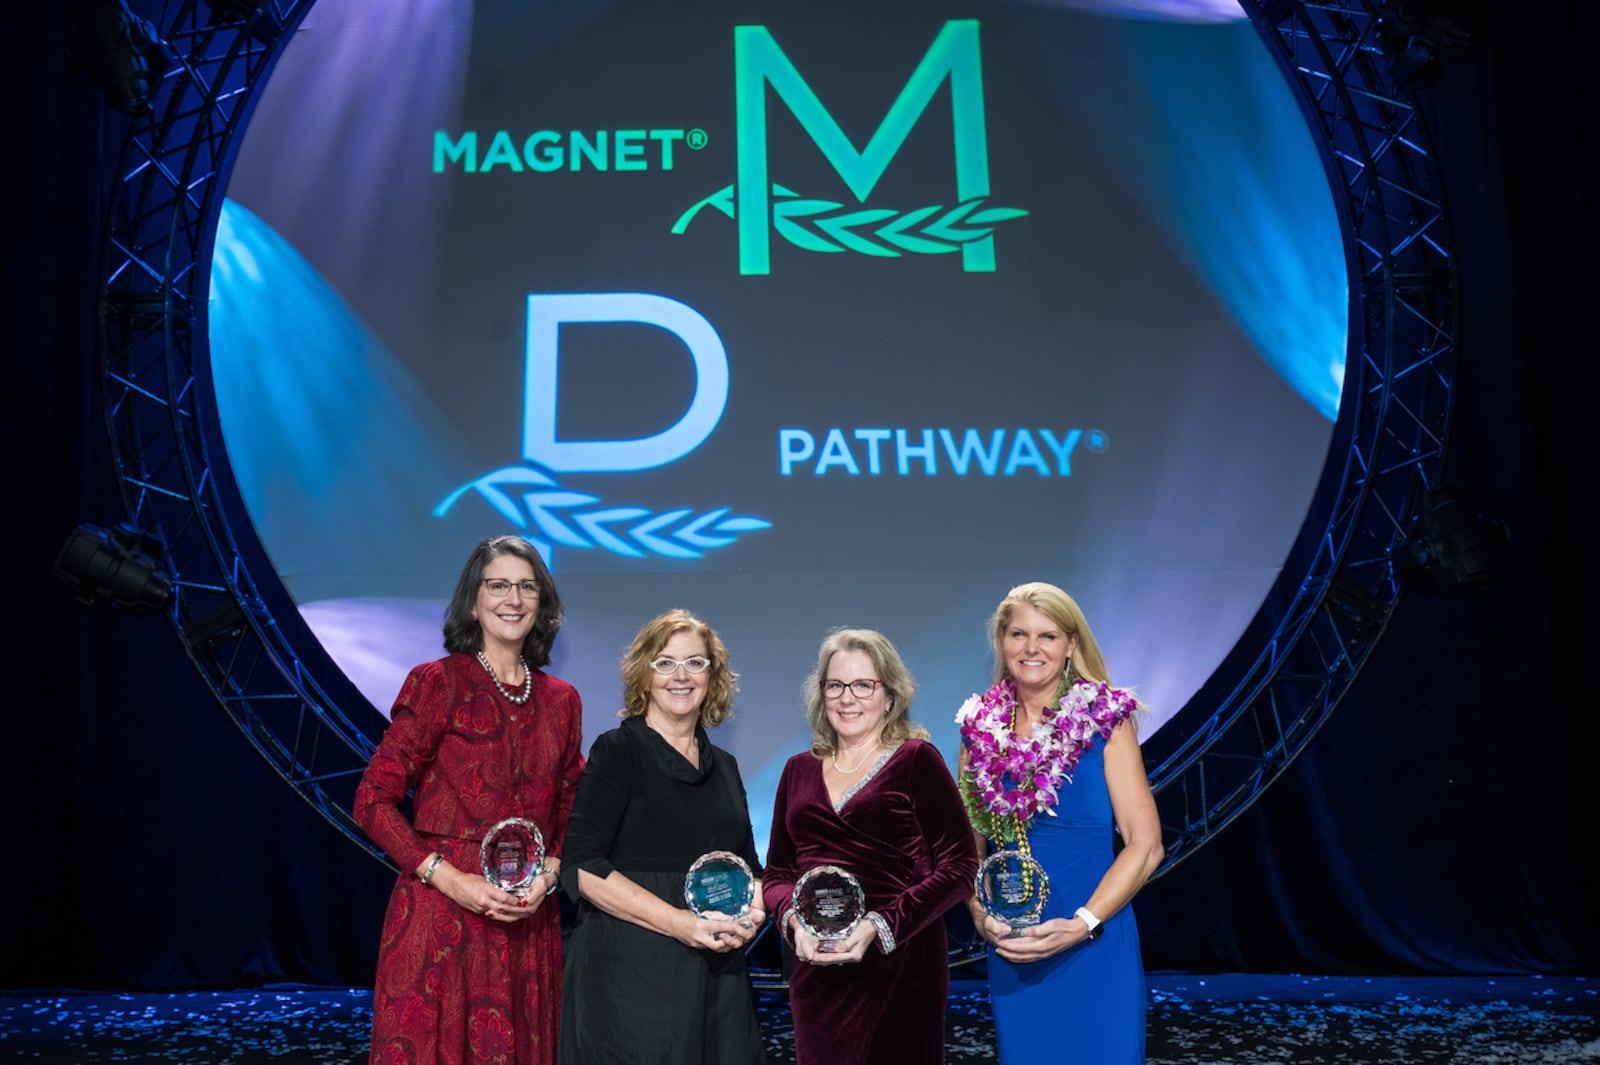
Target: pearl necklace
(527,680)
(859,762)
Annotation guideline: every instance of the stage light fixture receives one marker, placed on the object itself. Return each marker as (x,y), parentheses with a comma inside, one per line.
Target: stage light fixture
(114,567)
(262,22)
(120,51)
(1452,545)
(1453,29)
(1422,33)
(218,626)
(1358,602)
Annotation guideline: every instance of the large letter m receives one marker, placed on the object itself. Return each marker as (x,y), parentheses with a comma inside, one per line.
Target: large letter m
(759,62)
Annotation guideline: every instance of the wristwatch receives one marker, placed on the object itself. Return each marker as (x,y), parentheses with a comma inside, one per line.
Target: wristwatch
(1096,926)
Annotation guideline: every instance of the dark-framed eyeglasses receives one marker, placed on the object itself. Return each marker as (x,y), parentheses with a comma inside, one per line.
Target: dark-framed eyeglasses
(499,588)
(861,689)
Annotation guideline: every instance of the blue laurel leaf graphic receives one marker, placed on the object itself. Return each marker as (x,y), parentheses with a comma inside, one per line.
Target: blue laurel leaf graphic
(645,533)
(743,525)
(691,533)
(540,505)
(594,523)
(568,518)
(489,487)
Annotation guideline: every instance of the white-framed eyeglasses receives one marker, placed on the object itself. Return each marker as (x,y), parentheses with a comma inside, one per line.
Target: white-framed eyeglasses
(694,664)
(861,689)
(499,588)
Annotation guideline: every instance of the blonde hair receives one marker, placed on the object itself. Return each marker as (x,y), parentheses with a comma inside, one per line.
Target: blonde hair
(1085,661)
(898,684)
(646,648)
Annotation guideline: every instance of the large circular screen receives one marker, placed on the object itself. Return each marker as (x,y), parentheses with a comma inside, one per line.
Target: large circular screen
(795,316)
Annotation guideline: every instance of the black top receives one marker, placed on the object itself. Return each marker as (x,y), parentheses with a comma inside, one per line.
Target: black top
(642,808)
(631,996)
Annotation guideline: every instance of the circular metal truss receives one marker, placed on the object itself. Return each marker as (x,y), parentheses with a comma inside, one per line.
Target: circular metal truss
(161,416)
(1336,594)
(1339,587)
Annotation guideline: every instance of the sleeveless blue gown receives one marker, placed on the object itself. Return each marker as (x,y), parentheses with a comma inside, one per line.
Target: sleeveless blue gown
(1085,1006)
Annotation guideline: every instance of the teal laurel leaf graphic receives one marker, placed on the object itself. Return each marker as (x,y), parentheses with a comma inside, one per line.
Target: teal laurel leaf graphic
(554,516)
(830,226)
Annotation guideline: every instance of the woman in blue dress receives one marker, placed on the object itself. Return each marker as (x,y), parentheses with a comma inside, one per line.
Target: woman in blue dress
(1050,766)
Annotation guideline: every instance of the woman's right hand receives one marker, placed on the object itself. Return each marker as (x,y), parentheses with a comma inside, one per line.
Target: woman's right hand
(476,895)
(713,934)
(993,932)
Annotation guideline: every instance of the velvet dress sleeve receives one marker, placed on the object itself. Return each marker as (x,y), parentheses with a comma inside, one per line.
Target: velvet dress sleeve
(942,821)
(602,799)
(416,726)
(777,881)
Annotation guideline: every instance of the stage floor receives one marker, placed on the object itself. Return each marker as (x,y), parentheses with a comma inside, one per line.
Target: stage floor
(1243,1019)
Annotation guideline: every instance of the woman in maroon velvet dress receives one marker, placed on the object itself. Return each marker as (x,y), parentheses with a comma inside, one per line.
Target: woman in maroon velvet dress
(466,971)
(874,797)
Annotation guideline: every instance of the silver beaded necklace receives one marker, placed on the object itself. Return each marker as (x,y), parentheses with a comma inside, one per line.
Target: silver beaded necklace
(527,679)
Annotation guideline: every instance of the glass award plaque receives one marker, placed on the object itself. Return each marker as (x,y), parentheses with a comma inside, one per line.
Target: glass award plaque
(512,855)
(1012,888)
(719,885)
(829,902)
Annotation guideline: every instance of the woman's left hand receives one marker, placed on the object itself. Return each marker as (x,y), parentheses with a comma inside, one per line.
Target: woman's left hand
(521,907)
(736,934)
(809,949)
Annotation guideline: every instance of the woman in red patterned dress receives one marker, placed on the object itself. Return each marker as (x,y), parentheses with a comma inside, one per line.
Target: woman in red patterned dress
(468,972)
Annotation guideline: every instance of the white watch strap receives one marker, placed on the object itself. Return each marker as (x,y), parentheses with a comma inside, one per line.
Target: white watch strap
(1082,913)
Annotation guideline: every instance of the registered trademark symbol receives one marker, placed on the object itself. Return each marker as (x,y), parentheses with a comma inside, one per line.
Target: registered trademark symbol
(1096,441)
(696,139)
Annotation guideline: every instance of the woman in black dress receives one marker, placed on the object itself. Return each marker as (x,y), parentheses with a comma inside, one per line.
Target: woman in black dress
(646,979)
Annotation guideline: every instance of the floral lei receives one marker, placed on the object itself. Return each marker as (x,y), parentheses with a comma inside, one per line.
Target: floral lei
(1008,779)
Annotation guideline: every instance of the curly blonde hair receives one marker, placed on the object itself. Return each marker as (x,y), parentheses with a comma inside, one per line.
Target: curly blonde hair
(722,682)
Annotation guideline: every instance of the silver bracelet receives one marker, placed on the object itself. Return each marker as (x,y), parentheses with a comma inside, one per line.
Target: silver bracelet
(885,937)
(426,876)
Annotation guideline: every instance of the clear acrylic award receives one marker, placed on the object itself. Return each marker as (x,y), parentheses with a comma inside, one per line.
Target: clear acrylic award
(512,855)
(719,885)
(829,902)
(1013,888)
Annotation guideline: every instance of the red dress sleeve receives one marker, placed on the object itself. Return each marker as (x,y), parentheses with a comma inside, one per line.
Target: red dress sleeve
(416,725)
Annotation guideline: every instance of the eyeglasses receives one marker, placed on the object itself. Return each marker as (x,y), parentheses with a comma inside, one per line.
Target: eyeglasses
(695,665)
(861,689)
(499,589)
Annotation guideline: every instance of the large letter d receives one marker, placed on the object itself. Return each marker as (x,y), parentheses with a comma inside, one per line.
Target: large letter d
(546,315)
